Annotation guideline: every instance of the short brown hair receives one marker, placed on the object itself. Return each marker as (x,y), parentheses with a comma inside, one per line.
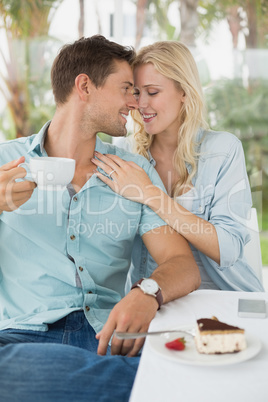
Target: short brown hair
(93,56)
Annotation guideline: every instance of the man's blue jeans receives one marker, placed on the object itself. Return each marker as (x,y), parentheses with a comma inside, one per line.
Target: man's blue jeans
(62,365)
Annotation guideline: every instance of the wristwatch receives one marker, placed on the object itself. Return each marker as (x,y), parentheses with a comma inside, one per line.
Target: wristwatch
(150,287)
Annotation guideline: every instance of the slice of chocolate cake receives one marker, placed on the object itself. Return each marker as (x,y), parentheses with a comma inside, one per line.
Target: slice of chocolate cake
(216,337)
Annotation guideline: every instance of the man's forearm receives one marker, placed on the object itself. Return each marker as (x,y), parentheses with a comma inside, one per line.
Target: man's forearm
(177,273)
(177,277)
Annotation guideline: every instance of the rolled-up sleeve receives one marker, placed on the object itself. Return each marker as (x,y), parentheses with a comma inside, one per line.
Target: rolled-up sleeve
(230,206)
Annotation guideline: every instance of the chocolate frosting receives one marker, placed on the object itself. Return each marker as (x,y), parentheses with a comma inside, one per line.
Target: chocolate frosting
(208,324)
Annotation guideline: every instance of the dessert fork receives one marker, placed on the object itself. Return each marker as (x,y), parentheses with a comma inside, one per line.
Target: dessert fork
(136,335)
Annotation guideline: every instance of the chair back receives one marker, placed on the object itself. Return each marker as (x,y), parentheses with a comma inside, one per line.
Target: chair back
(252,249)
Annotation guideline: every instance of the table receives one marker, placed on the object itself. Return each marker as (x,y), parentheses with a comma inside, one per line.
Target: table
(162,380)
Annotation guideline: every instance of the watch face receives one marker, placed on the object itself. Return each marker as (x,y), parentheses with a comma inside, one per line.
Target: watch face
(149,286)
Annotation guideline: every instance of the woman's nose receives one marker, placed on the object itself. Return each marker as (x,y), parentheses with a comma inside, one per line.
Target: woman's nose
(142,101)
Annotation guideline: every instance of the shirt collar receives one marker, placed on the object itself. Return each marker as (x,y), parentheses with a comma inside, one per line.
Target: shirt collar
(39,140)
(151,159)
(199,137)
(100,146)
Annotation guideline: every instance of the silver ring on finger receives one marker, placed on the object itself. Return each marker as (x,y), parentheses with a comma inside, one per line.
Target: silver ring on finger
(110,174)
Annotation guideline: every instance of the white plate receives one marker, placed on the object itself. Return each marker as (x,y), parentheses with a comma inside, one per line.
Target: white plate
(190,355)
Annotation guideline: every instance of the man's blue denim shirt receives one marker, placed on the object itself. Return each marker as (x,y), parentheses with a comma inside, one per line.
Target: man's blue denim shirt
(61,251)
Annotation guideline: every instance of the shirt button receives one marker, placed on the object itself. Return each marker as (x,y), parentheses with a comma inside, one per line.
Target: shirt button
(75,199)
(72,237)
(81,269)
(89,292)
(200,208)
(87,308)
(144,260)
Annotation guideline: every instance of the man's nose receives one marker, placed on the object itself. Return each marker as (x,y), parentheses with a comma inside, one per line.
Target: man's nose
(132,102)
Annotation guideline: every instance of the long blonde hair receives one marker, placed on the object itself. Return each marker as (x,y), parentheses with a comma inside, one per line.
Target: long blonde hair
(175,61)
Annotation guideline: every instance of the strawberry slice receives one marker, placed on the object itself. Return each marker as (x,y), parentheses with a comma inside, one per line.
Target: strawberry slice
(177,344)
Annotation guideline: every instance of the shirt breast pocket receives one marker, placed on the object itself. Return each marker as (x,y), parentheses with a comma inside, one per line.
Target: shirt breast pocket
(119,217)
(201,206)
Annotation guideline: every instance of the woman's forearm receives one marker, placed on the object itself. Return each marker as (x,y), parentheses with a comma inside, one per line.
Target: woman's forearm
(197,231)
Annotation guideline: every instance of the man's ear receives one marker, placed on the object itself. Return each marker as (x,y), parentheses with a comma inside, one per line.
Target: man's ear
(83,86)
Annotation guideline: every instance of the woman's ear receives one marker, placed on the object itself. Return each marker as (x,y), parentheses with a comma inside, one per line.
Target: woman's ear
(83,86)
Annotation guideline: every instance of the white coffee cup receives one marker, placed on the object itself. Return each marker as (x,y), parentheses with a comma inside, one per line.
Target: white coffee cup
(50,173)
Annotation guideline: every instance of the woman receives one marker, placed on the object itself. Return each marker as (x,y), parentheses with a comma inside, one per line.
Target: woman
(208,194)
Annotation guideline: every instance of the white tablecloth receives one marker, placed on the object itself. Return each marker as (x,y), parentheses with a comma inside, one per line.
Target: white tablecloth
(161,380)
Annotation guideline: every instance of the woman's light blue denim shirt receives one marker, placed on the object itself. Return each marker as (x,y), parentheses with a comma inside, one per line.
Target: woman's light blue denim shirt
(222,197)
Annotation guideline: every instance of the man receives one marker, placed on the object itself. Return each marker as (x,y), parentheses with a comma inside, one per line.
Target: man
(65,257)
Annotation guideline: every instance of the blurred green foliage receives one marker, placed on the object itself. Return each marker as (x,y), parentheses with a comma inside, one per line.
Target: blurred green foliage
(26,59)
(264,250)
(242,110)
